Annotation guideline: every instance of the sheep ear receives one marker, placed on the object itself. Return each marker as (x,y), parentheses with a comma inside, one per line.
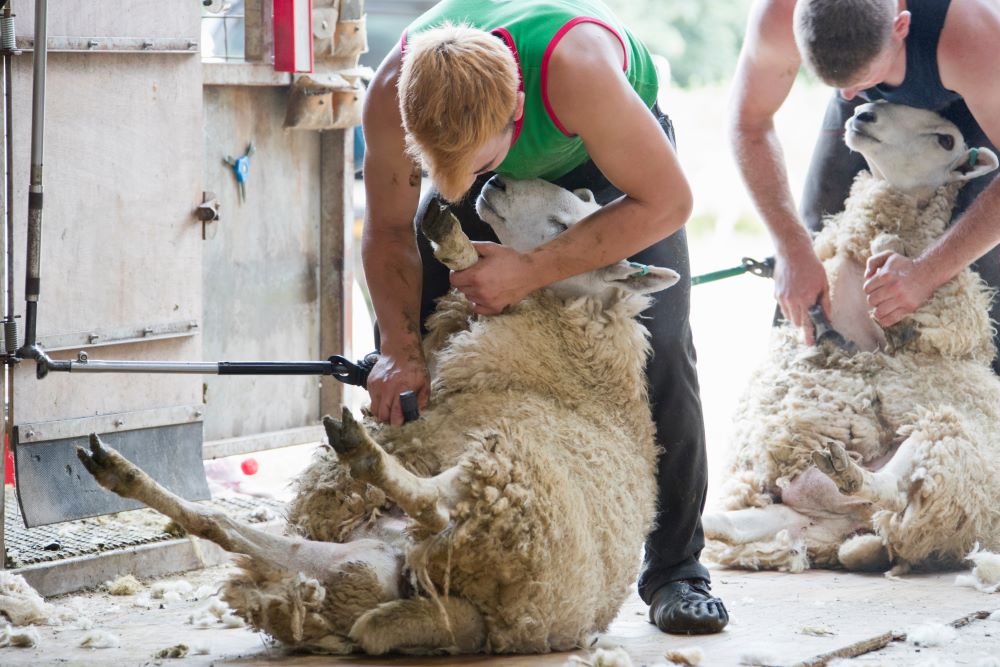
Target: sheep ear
(975,163)
(640,278)
(585,195)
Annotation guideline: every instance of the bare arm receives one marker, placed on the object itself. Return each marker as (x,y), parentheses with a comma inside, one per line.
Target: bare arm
(768,65)
(389,250)
(592,97)
(968,62)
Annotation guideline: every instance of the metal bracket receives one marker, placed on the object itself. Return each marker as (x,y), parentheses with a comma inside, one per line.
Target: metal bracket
(122,421)
(118,336)
(207,212)
(174,45)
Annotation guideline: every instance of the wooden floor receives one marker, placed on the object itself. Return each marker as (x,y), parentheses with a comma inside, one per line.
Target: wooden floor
(780,619)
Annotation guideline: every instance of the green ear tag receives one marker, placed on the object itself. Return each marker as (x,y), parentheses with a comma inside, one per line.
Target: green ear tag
(643,270)
(973,156)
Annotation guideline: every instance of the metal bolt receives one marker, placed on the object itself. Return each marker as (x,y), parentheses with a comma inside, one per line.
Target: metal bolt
(147,331)
(147,44)
(119,423)
(192,325)
(192,44)
(93,338)
(82,357)
(92,44)
(198,413)
(29,435)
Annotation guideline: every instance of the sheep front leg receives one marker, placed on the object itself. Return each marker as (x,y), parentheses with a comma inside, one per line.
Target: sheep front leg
(451,246)
(881,488)
(426,500)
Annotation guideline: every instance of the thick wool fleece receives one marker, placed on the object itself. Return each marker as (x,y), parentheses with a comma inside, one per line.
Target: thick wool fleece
(545,411)
(933,385)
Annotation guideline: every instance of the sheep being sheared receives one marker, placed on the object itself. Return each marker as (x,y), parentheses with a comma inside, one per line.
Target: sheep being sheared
(883,457)
(510,516)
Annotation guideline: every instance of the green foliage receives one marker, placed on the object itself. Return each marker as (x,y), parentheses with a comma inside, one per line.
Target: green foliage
(700,39)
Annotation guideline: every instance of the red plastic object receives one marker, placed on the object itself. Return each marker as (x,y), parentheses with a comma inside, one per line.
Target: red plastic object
(8,477)
(249,466)
(293,35)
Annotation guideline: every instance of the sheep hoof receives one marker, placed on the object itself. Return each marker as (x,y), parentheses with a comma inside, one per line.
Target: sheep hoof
(334,430)
(438,223)
(111,470)
(839,467)
(345,434)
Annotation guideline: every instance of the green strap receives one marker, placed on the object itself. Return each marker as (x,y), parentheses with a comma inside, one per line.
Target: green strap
(762,269)
(718,275)
(973,156)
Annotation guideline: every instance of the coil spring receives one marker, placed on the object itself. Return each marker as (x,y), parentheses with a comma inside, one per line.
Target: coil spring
(7,39)
(10,336)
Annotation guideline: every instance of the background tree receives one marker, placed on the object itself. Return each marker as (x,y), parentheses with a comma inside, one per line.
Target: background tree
(700,39)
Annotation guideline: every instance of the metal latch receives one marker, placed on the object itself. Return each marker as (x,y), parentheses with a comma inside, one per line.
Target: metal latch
(207,211)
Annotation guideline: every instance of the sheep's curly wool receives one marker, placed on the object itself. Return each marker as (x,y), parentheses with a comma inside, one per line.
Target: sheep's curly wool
(545,411)
(932,385)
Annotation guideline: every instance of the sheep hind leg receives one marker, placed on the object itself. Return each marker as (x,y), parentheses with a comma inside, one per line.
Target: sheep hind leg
(881,488)
(425,500)
(321,560)
(421,626)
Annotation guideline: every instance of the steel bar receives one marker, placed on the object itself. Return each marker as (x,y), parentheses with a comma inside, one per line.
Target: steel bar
(32,286)
(83,364)
(130,45)
(6,43)
(118,335)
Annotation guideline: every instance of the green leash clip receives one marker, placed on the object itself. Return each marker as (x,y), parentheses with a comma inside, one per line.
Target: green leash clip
(643,270)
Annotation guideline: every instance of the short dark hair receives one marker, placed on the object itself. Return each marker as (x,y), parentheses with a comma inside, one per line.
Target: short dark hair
(839,38)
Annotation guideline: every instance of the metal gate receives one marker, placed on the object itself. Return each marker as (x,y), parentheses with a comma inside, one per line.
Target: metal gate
(138,130)
(121,255)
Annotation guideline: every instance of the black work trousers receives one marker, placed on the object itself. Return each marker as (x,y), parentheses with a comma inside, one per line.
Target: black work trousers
(834,167)
(673,547)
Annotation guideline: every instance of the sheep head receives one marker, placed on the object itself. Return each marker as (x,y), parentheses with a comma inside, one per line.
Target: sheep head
(915,150)
(526,214)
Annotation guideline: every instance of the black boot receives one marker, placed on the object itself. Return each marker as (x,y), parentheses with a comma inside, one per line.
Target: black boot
(688,608)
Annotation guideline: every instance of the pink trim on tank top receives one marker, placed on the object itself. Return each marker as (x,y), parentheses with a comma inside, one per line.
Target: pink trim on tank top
(548,54)
(508,39)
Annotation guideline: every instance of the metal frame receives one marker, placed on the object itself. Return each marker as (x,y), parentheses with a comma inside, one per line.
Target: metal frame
(31,348)
(338,367)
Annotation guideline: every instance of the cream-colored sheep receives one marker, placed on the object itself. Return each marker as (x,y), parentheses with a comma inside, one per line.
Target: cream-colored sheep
(510,517)
(885,457)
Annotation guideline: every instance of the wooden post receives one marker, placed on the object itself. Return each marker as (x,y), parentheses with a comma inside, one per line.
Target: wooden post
(336,275)
(259,31)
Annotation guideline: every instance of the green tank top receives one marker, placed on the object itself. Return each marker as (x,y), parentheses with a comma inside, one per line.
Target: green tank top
(531,29)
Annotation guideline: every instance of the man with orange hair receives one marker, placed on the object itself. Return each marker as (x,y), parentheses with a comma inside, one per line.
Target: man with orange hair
(559,90)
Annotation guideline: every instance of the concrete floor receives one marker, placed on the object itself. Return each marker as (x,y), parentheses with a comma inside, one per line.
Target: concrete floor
(777,619)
